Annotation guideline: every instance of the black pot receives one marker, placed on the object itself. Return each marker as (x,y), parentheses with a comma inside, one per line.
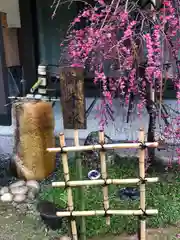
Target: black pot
(47,212)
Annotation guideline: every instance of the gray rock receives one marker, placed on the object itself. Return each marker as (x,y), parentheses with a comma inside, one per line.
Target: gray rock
(31,195)
(19,198)
(7,197)
(19,190)
(20,183)
(64,238)
(14,204)
(91,158)
(33,185)
(4,190)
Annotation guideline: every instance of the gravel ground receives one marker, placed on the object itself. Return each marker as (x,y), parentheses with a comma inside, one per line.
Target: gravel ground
(22,223)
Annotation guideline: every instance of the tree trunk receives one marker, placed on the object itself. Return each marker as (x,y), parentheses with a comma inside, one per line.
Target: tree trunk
(151,110)
(151,134)
(152,123)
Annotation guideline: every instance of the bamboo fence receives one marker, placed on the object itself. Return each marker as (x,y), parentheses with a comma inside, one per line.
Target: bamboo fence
(142,212)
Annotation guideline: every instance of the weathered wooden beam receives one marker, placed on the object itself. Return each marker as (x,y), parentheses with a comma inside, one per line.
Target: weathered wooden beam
(72,97)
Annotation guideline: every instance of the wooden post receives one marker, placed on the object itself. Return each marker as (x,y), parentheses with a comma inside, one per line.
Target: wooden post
(142,185)
(72,97)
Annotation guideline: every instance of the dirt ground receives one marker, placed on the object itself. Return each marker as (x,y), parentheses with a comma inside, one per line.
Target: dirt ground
(15,225)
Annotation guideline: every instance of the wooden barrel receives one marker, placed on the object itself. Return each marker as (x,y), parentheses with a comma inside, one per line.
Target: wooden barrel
(34,133)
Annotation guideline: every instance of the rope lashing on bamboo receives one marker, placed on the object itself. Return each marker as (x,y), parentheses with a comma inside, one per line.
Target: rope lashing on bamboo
(143,145)
(106,214)
(144,215)
(103,149)
(142,180)
(105,182)
(72,218)
(62,150)
(67,185)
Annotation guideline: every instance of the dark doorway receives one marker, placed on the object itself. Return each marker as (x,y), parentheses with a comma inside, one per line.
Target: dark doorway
(5,112)
(28,42)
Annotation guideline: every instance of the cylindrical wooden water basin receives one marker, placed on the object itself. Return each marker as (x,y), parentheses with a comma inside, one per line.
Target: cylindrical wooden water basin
(34,133)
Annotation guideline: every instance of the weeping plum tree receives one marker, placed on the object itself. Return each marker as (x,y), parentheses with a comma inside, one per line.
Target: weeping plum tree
(141,43)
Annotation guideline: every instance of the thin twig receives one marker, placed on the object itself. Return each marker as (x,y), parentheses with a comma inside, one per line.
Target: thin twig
(56,7)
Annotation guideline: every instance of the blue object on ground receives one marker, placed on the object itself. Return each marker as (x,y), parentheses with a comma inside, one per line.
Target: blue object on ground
(94,174)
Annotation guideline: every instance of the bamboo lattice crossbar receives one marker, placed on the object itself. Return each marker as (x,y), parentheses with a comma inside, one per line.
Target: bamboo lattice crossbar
(102,182)
(105,182)
(104,146)
(108,212)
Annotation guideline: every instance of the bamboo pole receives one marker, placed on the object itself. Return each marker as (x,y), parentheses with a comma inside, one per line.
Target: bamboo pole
(80,193)
(110,212)
(106,146)
(104,176)
(37,96)
(142,185)
(101,182)
(69,190)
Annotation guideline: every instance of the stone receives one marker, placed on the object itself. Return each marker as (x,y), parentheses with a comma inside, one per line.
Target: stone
(91,158)
(20,183)
(7,197)
(64,238)
(31,195)
(14,204)
(4,190)
(19,198)
(33,185)
(19,190)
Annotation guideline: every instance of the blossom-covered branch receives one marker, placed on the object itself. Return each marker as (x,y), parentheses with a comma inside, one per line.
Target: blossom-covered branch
(140,45)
